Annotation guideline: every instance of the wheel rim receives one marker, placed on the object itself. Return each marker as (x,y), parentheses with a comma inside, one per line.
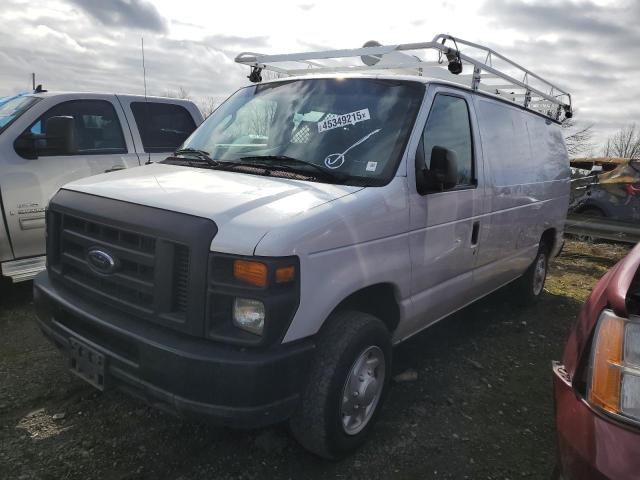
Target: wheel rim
(539,274)
(362,390)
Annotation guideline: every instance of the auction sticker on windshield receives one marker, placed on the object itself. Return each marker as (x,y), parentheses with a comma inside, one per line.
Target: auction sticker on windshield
(336,121)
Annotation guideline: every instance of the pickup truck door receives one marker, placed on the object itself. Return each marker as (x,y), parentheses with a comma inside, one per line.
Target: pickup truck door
(102,143)
(159,125)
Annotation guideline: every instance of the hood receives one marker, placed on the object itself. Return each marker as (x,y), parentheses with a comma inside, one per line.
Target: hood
(244,207)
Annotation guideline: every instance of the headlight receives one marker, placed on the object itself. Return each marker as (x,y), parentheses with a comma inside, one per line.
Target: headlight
(248,315)
(251,300)
(615,366)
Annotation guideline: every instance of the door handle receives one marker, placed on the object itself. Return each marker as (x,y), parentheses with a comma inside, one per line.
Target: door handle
(475,232)
(115,168)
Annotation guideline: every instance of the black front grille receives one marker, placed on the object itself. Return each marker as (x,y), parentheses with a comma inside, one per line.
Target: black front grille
(181,278)
(159,270)
(132,283)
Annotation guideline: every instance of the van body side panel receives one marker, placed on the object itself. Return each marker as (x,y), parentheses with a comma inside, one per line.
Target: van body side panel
(528,176)
(344,246)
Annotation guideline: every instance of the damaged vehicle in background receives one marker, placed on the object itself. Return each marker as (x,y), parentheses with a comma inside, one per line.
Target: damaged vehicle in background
(606,187)
(597,384)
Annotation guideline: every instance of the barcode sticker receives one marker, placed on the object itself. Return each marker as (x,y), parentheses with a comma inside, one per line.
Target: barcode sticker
(336,121)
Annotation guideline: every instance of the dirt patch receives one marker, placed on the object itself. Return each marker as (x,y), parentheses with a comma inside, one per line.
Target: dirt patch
(478,403)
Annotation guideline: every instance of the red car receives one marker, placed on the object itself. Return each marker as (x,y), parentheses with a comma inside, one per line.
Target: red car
(597,385)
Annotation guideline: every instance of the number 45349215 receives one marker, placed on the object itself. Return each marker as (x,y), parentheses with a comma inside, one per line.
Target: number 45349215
(337,121)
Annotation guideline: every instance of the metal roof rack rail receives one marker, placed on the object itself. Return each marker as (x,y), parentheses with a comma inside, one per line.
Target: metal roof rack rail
(478,68)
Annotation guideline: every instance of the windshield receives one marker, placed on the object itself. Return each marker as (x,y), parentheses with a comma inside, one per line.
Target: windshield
(12,108)
(356,128)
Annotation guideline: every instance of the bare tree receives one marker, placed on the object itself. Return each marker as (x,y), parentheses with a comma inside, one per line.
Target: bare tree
(624,143)
(208,104)
(182,93)
(579,140)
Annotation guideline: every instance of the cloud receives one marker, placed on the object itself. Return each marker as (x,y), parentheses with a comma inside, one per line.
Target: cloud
(583,46)
(586,46)
(139,14)
(562,16)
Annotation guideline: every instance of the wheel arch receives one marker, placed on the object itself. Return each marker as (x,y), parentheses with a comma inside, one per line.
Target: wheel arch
(380,300)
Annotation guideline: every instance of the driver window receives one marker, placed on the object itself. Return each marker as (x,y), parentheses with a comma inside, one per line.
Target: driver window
(96,128)
(448,126)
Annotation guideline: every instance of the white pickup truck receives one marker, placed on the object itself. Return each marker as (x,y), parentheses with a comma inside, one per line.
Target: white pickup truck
(48,139)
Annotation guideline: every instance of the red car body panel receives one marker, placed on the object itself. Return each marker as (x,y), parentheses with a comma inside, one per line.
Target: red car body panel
(592,445)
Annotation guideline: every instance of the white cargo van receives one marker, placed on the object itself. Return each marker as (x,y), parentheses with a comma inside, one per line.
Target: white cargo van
(265,271)
(48,139)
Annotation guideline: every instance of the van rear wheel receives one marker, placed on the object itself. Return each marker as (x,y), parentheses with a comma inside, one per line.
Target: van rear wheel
(347,385)
(530,286)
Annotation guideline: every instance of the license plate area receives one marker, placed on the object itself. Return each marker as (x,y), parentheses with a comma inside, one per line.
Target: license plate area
(87,363)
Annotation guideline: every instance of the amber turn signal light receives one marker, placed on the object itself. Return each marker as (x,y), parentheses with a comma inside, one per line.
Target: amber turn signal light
(606,368)
(253,273)
(285,274)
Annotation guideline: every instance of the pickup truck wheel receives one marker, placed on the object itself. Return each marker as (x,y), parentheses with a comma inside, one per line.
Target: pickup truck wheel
(347,385)
(530,286)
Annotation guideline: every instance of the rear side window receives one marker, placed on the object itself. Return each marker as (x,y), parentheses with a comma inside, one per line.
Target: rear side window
(448,126)
(97,129)
(521,147)
(163,126)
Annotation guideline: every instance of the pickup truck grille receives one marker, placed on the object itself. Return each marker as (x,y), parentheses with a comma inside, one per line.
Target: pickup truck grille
(151,272)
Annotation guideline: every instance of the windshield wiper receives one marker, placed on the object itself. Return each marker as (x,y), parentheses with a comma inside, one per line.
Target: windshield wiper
(284,158)
(199,154)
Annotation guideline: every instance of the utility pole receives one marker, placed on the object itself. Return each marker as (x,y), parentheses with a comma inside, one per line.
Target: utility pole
(33,81)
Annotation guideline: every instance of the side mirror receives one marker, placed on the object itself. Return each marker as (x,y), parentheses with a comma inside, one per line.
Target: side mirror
(25,146)
(442,173)
(60,135)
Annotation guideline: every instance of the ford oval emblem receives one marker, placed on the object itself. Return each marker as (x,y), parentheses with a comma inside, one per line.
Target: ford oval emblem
(101,261)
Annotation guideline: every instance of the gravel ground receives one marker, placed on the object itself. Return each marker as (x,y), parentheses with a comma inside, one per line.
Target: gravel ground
(479,405)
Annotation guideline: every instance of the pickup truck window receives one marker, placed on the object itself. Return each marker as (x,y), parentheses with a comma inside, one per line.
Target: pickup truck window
(448,126)
(162,126)
(352,128)
(13,108)
(96,127)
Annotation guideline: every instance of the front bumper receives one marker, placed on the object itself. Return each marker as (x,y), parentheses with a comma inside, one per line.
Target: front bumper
(590,445)
(174,371)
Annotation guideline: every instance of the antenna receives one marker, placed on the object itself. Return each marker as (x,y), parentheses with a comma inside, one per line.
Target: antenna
(146,101)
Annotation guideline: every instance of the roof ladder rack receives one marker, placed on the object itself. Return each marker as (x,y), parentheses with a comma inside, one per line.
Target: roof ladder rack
(479,68)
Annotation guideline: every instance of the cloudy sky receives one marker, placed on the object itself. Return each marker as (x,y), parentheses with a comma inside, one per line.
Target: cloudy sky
(589,47)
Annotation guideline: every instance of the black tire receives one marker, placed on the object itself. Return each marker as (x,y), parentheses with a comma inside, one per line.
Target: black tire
(317,423)
(528,288)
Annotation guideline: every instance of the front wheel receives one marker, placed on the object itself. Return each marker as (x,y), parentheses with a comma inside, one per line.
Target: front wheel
(530,286)
(347,385)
